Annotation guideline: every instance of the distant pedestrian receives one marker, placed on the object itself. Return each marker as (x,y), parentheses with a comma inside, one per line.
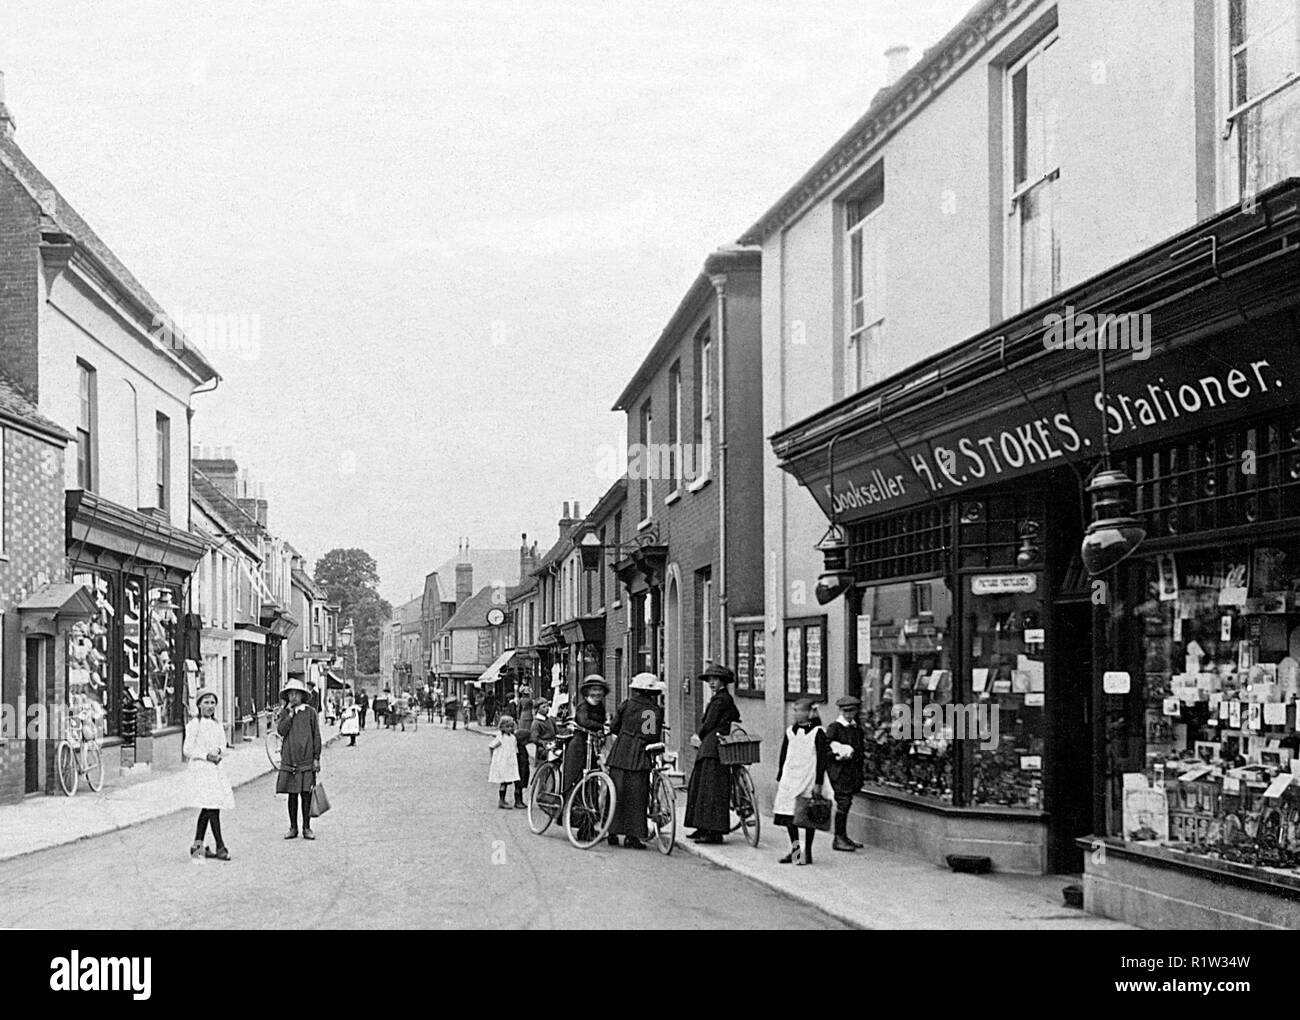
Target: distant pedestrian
(521,757)
(504,768)
(299,728)
(208,788)
(363,705)
(313,695)
(801,772)
(428,703)
(451,708)
(524,704)
(471,707)
(489,708)
(349,726)
(381,706)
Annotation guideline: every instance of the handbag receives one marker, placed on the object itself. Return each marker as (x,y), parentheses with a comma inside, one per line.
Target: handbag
(320,803)
(812,812)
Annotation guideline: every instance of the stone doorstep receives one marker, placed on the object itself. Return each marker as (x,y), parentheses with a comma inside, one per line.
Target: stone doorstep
(53,815)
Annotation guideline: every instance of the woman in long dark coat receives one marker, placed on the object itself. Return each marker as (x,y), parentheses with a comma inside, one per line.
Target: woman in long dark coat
(637,723)
(708,797)
(299,729)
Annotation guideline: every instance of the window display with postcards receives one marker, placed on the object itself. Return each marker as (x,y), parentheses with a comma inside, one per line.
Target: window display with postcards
(905,660)
(1213,769)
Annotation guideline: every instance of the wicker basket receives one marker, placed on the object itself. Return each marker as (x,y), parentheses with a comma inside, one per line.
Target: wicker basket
(739,748)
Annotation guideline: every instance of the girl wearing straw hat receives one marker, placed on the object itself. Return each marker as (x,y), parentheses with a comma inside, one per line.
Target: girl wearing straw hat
(208,788)
(299,726)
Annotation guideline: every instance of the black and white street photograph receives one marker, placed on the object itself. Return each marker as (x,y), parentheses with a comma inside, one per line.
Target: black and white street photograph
(558,465)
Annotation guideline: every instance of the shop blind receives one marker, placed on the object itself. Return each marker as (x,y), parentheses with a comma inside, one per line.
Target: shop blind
(1242,476)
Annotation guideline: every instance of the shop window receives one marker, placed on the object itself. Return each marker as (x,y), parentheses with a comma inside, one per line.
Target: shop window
(805,658)
(751,660)
(1005,629)
(1001,531)
(907,661)
(914,542)
(1034,86)
(1203,748)
(97,690)
(1264,92)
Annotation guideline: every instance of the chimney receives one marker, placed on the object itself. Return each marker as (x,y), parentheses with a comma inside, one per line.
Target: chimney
(223,471)
(7,124)
(896,64)
(464,583)
(577,514)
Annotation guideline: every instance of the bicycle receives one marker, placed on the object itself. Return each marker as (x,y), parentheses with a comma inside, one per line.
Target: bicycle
(736,751)
(545,796)
(589,806)
(83,760)
(661,807)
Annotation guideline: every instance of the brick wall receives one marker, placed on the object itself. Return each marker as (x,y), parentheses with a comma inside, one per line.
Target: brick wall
(19,287)
(33,555)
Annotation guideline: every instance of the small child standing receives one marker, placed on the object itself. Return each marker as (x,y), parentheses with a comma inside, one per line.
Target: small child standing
(504,769)
(209,789)
(805,754)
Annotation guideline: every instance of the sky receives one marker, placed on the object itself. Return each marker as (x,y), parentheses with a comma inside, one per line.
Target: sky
(441,236)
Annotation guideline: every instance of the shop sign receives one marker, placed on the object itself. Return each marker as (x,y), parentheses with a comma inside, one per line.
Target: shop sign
(1003,584)
(1116,682)
(1228,377)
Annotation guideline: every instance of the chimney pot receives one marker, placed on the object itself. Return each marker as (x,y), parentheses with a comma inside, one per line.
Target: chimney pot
(566,511)
(896,63)
(576,512)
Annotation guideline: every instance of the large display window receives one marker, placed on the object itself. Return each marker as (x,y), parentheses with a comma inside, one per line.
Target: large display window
(1202,750)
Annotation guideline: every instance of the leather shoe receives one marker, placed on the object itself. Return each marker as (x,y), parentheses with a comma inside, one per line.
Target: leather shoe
(710,838)
(856,844)
(308,834)
(291,834)
(613,840)
(843,843)
(632,843)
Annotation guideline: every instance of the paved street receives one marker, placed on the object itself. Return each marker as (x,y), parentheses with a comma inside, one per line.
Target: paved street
(414,840)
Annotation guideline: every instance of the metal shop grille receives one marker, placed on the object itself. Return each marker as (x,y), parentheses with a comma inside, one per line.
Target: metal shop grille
(1246,475)
(913,542)
(1001,531)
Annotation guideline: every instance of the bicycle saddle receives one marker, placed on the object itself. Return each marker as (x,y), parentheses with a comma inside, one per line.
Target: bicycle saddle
(654,748)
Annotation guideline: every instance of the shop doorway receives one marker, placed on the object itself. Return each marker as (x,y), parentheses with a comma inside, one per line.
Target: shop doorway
(36,652)
(1070,759)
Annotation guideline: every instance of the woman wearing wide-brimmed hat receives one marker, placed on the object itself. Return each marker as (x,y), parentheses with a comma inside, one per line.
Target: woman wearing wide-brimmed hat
(708,797)
(299,727)
(208,789)
(588,723)
(637,723)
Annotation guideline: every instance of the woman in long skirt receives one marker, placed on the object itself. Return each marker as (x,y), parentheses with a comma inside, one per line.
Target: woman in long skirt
(708,797)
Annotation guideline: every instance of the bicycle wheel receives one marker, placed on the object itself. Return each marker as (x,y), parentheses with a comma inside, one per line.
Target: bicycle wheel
(589,810)
(544,800)
(663,814)
(94,767)
(744,804)
(66,765)
(272,745)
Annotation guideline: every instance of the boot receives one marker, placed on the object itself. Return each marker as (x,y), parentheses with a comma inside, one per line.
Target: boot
(308,834)
(501,801)
(197,851)
(843,843)
(519,800)
(632,843)
(612,840)
(856,844)
(792,857)
(220,854)
(291,834)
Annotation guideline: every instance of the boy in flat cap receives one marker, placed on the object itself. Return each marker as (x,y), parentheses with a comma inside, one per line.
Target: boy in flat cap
(845,769)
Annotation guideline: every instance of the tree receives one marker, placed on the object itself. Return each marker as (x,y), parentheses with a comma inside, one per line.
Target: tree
(350,577)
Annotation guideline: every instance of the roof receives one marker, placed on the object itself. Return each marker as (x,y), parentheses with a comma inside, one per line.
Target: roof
(237,521)
(728,259)
(408,613)
(558,551)
(474,612)
(15,407)
(615,496)
(522,590)
(59,214)
(303,581)
(890,108)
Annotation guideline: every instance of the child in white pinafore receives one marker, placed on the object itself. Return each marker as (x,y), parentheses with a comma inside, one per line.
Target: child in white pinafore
(208,789)
(805,753)
(504,769)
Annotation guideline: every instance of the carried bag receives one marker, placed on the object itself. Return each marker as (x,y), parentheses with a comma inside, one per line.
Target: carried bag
(812,812)
(320,803)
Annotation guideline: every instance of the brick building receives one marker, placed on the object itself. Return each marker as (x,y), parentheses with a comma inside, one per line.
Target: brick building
(692,559)
(32,655)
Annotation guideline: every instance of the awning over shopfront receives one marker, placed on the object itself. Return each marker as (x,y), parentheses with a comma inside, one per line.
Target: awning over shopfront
(493,673)
(1196,349)
(333,681)
(95,523)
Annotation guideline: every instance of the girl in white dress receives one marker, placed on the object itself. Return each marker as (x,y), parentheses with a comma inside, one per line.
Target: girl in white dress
(805,753)
(351,724)
(208,788)
(504,769)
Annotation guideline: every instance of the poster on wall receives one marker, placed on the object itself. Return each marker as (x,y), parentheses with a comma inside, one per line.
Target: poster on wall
(813,660)
(793,659)
(864,640)
(760,661)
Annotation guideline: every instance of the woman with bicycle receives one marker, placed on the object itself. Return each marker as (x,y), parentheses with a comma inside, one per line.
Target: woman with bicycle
(588,723)
(637,723)
(708,797)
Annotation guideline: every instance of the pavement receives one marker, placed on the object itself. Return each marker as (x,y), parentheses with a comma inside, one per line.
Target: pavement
(414,840)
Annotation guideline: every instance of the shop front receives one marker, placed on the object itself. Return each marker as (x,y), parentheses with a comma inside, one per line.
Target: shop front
(1020,702)
(136,568)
